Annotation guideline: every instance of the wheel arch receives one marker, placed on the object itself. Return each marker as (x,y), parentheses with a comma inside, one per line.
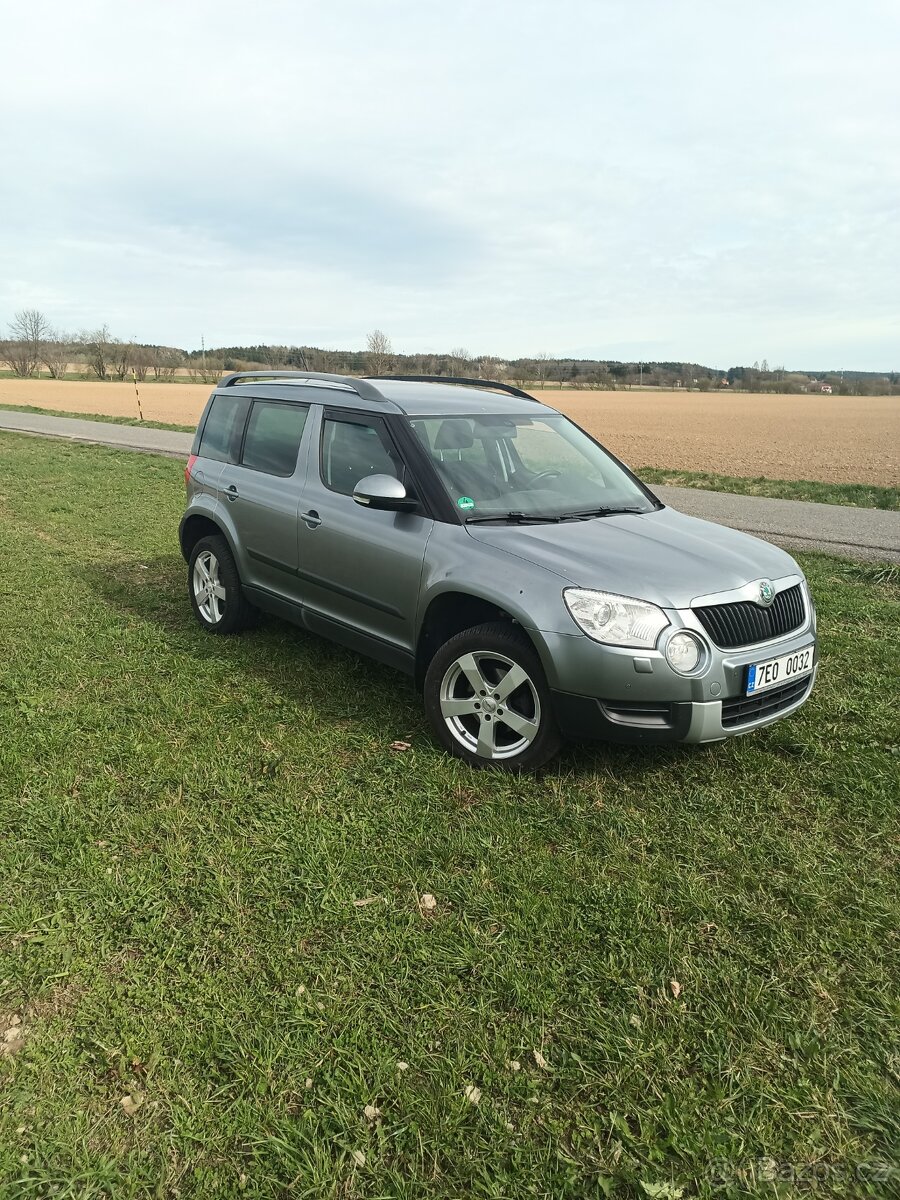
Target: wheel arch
(197,525)
(451,612)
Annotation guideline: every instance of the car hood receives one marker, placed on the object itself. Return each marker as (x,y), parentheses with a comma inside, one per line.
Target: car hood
(663,556)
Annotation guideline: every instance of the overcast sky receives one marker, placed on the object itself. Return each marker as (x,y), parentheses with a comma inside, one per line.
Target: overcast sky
(657,179)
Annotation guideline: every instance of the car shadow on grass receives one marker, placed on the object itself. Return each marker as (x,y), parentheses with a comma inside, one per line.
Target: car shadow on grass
(305,669)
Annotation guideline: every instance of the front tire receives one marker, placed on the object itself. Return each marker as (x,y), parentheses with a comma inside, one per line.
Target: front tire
(488,701)
(214,587)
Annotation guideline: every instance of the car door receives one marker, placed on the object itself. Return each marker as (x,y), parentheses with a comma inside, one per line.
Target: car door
(218,441)
(360,568)
(262,491)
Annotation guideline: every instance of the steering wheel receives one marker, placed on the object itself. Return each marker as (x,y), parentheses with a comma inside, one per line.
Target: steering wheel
(544,475)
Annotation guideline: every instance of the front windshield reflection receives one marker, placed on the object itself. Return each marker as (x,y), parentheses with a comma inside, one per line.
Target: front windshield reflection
(541,466)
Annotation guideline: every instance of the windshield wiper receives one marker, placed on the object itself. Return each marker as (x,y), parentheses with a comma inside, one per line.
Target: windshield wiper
(521,518)
(589,513)
(515,518)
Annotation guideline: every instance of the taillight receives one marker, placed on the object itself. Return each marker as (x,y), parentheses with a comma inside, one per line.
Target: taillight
(189,468)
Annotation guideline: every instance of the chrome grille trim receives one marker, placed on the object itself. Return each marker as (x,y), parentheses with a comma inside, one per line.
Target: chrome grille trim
(744,623)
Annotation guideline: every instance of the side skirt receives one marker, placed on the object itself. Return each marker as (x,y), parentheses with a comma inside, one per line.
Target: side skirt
(334,631)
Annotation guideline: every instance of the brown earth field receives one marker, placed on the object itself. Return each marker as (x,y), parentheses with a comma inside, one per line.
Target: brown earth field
(833,439)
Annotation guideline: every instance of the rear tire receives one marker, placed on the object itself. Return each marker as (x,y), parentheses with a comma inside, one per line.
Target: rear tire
(214,587)
(488,702)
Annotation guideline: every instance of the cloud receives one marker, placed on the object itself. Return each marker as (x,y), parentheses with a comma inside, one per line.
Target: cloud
(697,181)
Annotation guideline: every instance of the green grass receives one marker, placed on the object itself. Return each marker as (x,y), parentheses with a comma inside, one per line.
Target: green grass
(188,823)
(861,495)
(87,416)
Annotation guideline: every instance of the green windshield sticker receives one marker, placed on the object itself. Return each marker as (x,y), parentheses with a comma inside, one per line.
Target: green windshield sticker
(465,502)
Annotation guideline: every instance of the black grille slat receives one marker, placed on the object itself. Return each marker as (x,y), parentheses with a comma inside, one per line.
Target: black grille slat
(744,709)
(743,623)
(796,605)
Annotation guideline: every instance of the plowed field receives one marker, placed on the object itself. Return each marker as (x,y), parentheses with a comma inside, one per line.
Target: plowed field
(835,439)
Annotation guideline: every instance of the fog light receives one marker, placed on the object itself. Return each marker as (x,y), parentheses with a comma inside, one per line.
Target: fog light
(683,652)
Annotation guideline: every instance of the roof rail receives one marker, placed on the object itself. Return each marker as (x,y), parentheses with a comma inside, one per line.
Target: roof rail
(362,387)
(483,383)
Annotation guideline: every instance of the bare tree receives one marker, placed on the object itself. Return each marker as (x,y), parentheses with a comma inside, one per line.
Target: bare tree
(99,351)
(28,331)
(601,378)
(491,368)
(17,356)
(459,361)
(314,359)
(122,354)
(208,369)
(166,362)
(542,366)
(213,369)
(562,370)
(56,353)
(141,361)
(520,374)
(379,355)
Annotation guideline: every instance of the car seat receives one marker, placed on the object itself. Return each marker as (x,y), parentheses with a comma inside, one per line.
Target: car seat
(463,478)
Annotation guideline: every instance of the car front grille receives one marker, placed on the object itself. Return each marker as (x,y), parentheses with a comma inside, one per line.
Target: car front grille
(744,709)
(744,623)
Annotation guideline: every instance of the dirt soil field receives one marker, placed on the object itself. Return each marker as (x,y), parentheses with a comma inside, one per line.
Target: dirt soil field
(835,439)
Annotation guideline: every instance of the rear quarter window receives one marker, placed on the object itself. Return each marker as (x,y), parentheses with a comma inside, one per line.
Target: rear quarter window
(220,438)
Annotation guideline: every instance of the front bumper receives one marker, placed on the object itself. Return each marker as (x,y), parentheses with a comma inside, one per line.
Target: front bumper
(633,696)
(585,718)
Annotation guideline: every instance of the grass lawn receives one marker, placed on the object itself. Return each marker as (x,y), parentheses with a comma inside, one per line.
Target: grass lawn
(860,495)
(651,969)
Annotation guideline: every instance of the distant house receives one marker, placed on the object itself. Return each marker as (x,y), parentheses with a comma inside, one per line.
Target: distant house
(816,385)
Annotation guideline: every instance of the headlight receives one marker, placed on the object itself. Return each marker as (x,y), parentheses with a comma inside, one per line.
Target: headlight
(615,620)
(684,652)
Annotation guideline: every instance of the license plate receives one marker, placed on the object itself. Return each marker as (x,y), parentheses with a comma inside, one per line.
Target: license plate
(777,671)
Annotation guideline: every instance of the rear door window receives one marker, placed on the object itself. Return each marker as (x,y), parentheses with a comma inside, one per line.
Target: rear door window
(223,428)
(273,436)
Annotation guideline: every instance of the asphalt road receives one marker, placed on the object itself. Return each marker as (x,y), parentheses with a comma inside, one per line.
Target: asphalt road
(866,533)
(862,533)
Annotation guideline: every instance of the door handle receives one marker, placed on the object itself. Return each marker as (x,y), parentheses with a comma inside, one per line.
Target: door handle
(311,519)
(231,492)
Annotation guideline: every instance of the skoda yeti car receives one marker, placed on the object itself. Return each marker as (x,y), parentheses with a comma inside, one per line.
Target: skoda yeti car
(466,533)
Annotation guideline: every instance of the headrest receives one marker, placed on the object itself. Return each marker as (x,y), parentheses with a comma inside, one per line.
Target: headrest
(454,434)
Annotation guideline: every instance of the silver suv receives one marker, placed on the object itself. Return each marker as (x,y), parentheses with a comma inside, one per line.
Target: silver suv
(480,541)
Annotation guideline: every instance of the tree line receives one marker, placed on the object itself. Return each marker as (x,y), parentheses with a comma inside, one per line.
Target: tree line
(35,347)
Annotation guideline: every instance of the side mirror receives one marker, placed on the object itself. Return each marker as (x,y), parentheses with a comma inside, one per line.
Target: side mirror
(385,492)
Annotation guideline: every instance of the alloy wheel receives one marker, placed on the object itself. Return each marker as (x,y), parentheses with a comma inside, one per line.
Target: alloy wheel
(209,593)
(490,705)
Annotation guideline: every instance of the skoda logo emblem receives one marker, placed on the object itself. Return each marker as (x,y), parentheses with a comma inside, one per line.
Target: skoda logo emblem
(766,593)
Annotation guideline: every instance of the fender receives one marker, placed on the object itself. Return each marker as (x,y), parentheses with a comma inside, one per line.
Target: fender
(212,509)
(458,564)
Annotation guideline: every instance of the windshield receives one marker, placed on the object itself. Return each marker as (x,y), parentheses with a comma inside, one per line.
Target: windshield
(522,467)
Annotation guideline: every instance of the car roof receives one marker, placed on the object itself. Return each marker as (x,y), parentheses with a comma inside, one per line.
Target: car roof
(400,396)
(426,399)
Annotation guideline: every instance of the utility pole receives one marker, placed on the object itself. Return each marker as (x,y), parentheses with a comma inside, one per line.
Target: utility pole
(642,374)
(203,355)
